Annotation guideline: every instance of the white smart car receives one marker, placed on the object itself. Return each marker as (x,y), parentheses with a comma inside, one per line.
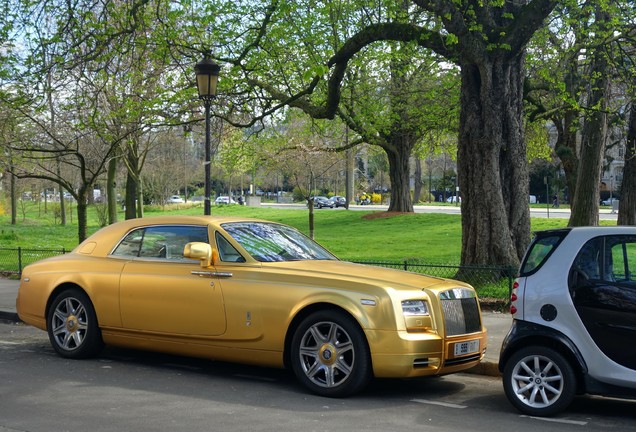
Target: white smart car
(574,320)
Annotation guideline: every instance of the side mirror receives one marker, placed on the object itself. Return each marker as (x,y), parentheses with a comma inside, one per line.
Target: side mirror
(200,251)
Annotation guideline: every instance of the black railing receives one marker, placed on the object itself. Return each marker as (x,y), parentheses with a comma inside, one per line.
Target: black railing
(489,281)
(12,261)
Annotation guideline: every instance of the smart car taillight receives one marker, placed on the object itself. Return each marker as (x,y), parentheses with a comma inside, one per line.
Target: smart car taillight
(513,298)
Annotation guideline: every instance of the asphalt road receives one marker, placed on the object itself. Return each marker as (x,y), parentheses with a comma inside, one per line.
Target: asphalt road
(132,390)
(539,212)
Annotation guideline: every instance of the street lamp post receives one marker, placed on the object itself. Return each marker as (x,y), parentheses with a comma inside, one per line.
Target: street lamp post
(207,73)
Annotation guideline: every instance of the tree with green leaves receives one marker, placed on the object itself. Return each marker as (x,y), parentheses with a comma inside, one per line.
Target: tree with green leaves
(627,205)
(486,40)
(392,94)
(116,80)
(575,65)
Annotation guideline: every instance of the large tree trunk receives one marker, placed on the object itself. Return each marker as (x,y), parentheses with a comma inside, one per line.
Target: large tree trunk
(586,200)
(627,205)
(566,149)
(566,146)
(492,164)
(399,173)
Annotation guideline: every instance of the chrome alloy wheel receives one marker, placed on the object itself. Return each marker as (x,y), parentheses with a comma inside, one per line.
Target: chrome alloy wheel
(69,323)
(537,381)
(327,354)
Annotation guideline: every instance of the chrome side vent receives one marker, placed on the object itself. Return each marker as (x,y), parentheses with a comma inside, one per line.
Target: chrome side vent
(421,362)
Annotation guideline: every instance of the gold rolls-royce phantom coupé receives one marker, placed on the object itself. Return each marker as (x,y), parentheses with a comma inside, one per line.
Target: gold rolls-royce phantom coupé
(255,292)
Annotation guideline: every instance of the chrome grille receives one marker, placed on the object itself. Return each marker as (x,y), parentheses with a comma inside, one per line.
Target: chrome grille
(461,311)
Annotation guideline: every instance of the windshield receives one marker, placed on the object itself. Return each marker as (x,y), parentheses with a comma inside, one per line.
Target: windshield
(269,242)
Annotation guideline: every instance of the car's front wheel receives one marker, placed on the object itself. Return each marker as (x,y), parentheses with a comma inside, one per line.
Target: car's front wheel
(330,355)
(539,381)
(72,325)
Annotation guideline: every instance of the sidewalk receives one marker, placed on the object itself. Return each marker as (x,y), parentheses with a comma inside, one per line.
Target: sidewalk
(8,294)
(496,323)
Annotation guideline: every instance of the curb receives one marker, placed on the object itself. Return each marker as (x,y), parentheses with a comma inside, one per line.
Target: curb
(10,317)
(485,367)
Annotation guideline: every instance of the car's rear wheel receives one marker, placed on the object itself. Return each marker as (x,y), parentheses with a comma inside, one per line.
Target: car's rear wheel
(72,325)
(539,381)
(330,355)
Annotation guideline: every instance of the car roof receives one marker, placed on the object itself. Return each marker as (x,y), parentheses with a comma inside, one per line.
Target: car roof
(113,233)
(589,231)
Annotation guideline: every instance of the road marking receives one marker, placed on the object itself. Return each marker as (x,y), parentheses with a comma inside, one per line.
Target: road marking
(444,404)
(553,420)
(9,343)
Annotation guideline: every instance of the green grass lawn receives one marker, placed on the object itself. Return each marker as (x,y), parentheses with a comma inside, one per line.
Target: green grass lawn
(431,238)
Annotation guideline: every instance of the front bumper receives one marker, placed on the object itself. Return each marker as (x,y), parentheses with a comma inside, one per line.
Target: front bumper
(399,354)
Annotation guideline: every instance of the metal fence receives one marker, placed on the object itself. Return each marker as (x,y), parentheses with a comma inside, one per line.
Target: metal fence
(489,281)
(12,261)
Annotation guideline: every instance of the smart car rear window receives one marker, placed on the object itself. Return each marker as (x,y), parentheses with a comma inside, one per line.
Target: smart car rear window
(540,250)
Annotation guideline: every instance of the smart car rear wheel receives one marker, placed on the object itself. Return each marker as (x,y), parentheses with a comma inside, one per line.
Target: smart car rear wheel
(72,325)
(539,381)
(330,354)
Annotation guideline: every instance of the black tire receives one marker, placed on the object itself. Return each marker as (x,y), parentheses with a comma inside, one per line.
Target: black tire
(72,325)
(330,355)
(539,381)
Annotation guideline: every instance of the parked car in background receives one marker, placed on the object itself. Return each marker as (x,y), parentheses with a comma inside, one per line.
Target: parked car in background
(224,199)
(574,320)
(338,201)
(278,299)
(175,199)
(321,201)
(609,201)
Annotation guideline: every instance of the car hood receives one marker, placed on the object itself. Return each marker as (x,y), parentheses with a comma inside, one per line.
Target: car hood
(364,274)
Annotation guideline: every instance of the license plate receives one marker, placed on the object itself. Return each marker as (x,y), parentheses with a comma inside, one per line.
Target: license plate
(468,347)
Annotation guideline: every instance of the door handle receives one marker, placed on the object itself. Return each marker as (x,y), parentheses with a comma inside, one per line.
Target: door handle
(211,274)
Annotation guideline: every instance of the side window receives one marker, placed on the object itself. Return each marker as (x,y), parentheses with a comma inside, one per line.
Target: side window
(130,245)
(163,242)
(608,259)
(155,244)
(621,259)
(227,252)
(588,261)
